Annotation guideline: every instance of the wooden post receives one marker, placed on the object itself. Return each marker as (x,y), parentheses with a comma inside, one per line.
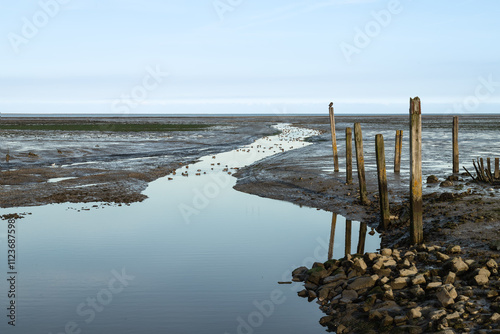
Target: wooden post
(332,236)
(382,182)
(397,151)
(348,229)
(348,155)
(488,163)
(334,139)
(362,238)
(497,168)
(360,162)
(416,224)
(456,166)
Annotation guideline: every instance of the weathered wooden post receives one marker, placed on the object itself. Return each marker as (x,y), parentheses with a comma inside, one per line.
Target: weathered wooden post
(456,166)
(416,224)
(497,168)
(348,155)
(362,238)
(332,236)
(488,163)
(397,151)
(382,182)
(334,139)
(348,230)
(360,162)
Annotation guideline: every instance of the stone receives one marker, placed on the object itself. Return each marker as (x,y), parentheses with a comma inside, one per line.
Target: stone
(484,271)
(481,279)
(387,321)
(310,286)
(360,266)
(492,264)
(495,317)
(303,293)
(415,313)
(386,252)
(453,316)
(446,184)
(390,307)
(417,280)
(432,179)
(458,265)
(492,293)
(433,285)
(417,291)
(363,283)
(442,257)
(370,257)
(299,271)
(324,320)
(450,278)
(323,294)
(400,320)
(436,315)
(331,279)
(446,295)
(341,329)
(348,296)
(454,249)
(408,272)
(317,274)
(399,283)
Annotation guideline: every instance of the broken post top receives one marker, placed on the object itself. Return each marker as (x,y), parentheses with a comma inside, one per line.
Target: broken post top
(415,106)
(331,104)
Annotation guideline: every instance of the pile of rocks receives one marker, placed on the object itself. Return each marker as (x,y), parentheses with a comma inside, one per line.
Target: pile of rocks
(424,289)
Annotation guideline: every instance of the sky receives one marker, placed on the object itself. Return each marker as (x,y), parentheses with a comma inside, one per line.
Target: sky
(242,56)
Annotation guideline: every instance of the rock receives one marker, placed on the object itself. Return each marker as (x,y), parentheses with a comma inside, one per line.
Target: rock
(317,274)
(312,295)
(415,313)
(387,321)
(481,279)
(324,320)
(436,315)
(303,293)
(310,286)
(495,317)
(400,320)
(446,295)
(370,257)
(433,285)
(299,271)
(331,279)
(432,179)
(390,307)
(458,265)
(386,252)
(454,249)
(450,278)
(341,329)
(492,264)
(446,183)
(399,283)
(442,257)
(348,296)
(453,316)
(492,293)
(410,329)
(408,272)
(485,272)
(417,291)
(495,245)
(323,293)
(419,279)
(360,266)
(363,282)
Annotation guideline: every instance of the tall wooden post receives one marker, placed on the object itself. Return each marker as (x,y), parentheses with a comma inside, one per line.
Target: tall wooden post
(362,238)
(416,224)
(382,182)
(397,151)
(332,236)
(456,167)
(348,231)
(334,139)
(488,164)
(360,162)
(497,168)
(348,155)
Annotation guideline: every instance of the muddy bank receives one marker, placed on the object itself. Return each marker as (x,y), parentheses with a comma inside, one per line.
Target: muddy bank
(107,166)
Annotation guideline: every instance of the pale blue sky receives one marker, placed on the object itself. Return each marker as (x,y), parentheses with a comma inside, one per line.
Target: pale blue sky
(248,56)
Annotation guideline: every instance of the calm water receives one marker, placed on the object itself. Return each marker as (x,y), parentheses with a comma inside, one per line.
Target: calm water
(196,257)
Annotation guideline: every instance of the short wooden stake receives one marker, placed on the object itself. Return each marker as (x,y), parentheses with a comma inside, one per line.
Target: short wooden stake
(332,236)
(497,168)
(416,224)
(397,151)
(360,162)
(456,166)
(348,155)
(382,182)
(362,238)
(334,139)
(348,230)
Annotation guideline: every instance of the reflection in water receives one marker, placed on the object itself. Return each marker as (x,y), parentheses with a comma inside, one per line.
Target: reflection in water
(348,237)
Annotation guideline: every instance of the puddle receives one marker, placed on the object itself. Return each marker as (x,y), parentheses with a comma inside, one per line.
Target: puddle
(197,256)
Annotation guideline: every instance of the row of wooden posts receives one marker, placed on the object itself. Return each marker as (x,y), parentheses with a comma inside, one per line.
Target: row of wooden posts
(363,228)
(416,225)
